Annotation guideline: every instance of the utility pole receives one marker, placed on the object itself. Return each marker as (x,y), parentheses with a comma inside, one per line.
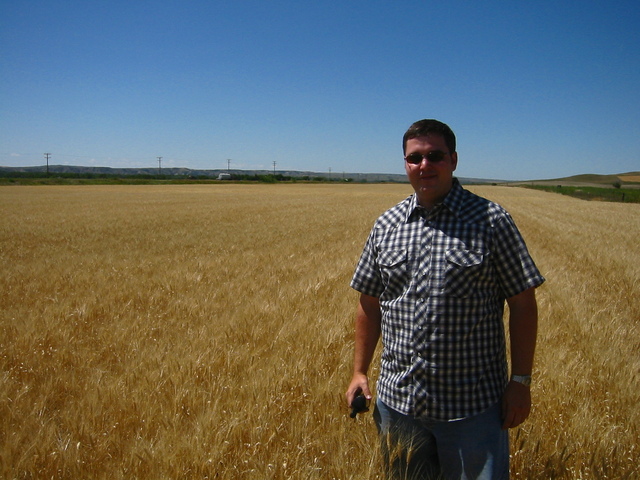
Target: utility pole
(47,155)
(228,164)
(274,167)
(159,165)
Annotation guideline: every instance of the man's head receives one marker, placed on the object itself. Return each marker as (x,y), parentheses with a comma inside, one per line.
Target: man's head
(430,159)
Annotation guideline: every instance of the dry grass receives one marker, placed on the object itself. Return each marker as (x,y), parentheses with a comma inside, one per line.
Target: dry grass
(630,178)
(206,332)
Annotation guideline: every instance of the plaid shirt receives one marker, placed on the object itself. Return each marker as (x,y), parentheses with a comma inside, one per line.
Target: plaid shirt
(442,277)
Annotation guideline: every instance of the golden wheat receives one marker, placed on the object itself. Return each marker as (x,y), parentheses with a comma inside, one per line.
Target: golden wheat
(206,332)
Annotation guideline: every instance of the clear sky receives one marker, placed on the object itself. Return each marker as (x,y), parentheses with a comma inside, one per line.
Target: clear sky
(532,89)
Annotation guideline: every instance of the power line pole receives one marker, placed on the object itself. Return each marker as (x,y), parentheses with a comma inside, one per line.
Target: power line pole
(159,165)
(47,155)
(274,167)
(228,164)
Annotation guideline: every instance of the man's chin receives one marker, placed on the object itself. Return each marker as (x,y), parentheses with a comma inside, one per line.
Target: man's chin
(429,186)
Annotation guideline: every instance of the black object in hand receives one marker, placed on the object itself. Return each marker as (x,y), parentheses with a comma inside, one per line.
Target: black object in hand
(358,405)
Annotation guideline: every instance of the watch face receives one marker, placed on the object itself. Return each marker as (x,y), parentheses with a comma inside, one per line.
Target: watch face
(523,379)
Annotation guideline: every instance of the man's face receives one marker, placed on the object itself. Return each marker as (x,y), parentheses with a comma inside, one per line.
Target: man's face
(431,180)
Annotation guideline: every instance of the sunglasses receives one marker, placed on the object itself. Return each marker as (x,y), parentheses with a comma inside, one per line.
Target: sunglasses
(434,156)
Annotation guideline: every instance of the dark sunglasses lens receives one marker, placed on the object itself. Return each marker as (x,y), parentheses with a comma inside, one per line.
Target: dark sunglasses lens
(435,156)
(414,158)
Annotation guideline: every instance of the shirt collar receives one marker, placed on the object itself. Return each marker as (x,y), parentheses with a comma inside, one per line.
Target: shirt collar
(453,202)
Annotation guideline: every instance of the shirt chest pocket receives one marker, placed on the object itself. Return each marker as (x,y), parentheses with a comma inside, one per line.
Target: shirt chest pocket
(462,271)
(394,271)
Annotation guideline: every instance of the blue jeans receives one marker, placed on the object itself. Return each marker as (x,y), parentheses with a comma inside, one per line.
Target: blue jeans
(472,448)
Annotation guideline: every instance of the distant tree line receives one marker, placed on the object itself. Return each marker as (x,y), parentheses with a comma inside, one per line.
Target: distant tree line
(274,178)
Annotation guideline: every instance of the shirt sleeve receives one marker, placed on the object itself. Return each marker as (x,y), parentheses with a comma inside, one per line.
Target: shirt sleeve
(516,269)
(366,278)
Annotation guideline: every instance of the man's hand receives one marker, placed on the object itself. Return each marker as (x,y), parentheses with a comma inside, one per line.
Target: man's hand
(516,404)
(359,385)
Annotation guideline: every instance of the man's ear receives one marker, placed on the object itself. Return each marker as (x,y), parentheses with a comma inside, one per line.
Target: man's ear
(454,160)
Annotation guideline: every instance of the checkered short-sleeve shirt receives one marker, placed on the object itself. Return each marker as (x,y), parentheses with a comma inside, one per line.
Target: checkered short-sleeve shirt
(442,278)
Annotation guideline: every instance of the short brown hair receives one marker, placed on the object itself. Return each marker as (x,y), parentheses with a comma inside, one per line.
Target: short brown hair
(426,127)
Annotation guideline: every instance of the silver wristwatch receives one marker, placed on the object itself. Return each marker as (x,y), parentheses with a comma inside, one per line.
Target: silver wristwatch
(523,379)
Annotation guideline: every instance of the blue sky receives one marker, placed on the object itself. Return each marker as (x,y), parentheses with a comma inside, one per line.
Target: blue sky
(539,89)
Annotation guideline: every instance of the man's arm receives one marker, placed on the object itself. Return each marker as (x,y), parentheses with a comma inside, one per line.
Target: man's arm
(523,328)
(368,318)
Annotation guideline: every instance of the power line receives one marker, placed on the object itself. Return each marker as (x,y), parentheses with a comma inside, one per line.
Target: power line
(109,161)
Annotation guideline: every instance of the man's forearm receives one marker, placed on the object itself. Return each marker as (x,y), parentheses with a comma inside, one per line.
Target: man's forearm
(523,329)
(368,319)
(523,345)
(367,333)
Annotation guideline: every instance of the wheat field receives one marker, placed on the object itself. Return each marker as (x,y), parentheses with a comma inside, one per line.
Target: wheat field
(205,331)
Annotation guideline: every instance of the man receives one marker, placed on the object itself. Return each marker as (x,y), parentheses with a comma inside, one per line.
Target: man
(433,278)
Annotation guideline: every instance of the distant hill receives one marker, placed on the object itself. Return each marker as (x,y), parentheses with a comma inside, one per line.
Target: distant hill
(629,179)
(194,173)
